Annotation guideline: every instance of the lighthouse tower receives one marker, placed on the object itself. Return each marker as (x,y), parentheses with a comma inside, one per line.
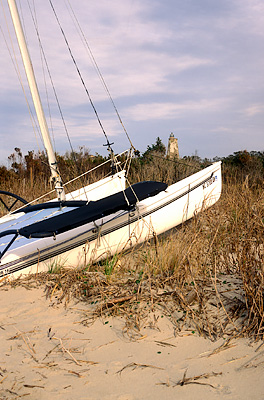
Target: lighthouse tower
(173,149)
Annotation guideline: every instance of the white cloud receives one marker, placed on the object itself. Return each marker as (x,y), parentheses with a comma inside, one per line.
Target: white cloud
(166,64)
(254,109)
(252,15)
(154,111)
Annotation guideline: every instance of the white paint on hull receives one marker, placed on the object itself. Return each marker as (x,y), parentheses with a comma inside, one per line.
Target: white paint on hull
(119,231)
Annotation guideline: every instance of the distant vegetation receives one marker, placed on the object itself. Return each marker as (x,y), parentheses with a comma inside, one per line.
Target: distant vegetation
(29,174)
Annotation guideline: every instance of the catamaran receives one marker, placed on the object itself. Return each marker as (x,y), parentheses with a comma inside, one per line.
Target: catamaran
(98,220)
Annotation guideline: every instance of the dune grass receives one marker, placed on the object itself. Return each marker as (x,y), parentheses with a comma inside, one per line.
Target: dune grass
(205,275)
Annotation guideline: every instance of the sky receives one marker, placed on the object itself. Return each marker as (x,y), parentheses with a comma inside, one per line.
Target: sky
(192,67)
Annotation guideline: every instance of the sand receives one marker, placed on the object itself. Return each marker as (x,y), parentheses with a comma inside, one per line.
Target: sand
(49,351)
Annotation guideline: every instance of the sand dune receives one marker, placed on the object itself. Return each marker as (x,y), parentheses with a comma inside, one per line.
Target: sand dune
(51,351)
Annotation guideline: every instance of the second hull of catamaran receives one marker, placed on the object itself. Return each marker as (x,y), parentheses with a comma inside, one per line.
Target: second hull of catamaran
(110,234)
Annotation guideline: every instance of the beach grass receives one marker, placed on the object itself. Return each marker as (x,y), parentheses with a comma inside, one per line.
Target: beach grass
(205,275)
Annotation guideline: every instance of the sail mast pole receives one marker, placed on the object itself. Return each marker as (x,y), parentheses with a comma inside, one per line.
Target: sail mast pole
(36,100)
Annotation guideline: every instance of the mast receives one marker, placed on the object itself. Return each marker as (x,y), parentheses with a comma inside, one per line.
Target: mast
(36,100)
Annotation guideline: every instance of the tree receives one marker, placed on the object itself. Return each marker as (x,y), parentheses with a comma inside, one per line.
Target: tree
(158,147)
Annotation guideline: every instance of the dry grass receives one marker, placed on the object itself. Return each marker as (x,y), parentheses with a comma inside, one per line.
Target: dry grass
(206,275)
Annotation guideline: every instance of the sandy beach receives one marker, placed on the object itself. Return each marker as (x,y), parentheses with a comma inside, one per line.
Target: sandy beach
(52,351)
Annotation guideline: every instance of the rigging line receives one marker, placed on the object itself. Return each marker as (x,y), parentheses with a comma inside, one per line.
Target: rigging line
(174,161)
(16,67)
(80,75)
(81,33)
(128,162)
(72,180)
(34,19)
(57,99)
(97,166)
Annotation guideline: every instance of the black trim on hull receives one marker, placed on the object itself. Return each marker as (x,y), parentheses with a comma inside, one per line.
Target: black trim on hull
(87,212)
(51,204)
(93,211)
(38,258)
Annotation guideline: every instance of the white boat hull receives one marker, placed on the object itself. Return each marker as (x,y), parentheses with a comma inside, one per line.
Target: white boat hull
(116,232)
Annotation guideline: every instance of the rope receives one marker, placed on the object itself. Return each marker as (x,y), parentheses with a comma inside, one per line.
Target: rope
(42,57)
(72,180)
(81,78)
(56,96)
(50,77)
(81,33)
(174,161)
(16,67)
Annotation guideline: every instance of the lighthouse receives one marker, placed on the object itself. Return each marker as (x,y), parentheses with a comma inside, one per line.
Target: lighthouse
(173,149)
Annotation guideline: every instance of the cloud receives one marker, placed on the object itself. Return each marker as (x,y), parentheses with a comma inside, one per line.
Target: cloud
(192,65)
(254,109)
(153,111)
